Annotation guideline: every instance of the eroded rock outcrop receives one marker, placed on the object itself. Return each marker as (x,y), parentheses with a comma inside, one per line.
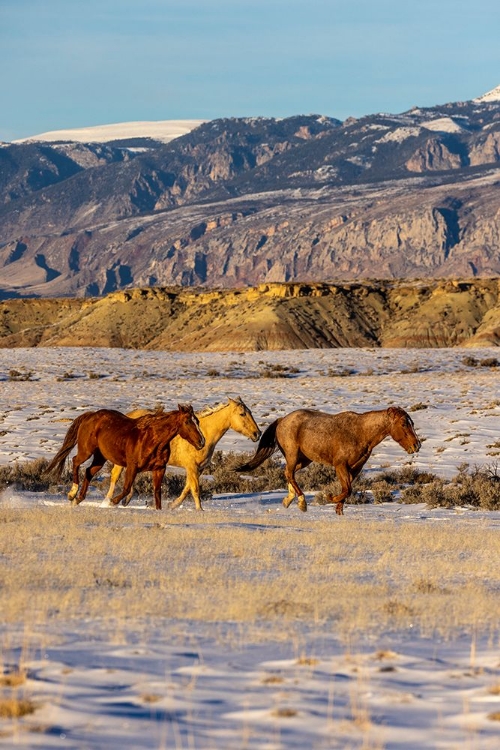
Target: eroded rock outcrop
(270,316)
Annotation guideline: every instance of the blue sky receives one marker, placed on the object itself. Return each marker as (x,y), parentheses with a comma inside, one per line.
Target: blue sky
(66,64)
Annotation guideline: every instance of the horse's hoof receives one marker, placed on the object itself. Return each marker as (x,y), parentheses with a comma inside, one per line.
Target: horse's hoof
(287,501)
(106,503)
(339,509)
(302,504)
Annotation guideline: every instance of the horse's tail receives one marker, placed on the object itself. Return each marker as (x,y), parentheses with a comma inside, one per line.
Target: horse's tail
(265,449)
(56,466)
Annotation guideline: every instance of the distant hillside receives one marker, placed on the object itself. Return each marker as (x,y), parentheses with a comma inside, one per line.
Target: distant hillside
(267,317)
(237,202)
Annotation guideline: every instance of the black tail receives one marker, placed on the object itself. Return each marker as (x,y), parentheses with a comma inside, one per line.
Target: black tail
(56,466)
(265,449)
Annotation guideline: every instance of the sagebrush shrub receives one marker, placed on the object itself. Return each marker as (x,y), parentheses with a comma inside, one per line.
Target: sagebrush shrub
(27,475)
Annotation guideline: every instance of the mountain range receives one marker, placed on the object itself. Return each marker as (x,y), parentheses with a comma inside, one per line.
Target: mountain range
(237,202)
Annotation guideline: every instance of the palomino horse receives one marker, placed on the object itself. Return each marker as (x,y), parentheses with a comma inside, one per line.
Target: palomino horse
(344,441)
(139,444)
(215,421)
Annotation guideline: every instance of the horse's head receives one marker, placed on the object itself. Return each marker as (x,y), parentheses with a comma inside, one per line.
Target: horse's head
(190,427)
(402,429)
(242,420)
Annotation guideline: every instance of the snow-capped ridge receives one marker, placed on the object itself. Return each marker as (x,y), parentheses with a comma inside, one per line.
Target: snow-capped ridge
(160,130)
(489,96)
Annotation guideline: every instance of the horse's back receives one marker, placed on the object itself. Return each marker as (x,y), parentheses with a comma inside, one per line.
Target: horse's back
(316,434)
(308,419)
(112,418)
(109,430)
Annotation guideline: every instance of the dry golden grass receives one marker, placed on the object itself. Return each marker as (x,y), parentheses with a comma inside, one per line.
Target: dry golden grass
(14,708)
(349,575)
(13,679)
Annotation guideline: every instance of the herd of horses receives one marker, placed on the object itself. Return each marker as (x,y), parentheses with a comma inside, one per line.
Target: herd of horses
(148,441)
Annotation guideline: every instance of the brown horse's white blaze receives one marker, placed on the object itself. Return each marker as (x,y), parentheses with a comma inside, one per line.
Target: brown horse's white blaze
(139,444)
(344,441)
(215,421)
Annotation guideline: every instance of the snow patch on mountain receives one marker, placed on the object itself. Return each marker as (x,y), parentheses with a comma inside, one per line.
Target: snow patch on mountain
(490,96)
(443,125)
(161,130)
(400,134)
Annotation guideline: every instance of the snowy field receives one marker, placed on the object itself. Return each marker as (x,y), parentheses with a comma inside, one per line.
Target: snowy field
(202,686)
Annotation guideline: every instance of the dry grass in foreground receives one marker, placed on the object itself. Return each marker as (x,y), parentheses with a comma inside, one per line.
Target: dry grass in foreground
(350,576)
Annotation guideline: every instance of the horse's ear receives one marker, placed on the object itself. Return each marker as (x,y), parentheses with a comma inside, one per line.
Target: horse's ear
(396,412)
(236,400)
(184,407)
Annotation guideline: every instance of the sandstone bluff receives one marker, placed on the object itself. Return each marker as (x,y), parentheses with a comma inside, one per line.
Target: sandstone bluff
(266,317)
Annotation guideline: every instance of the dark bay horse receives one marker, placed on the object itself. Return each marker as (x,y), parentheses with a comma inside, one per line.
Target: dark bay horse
(138,444)
(344,441)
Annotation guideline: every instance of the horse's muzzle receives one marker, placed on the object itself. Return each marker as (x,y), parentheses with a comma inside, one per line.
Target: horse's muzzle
(201,444)
(256,436)
(414,448)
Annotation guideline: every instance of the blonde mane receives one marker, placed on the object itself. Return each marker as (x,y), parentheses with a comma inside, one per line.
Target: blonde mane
(214,408)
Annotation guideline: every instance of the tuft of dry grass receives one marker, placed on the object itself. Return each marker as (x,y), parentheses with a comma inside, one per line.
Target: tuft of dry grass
(151,698)
(14,708)
(13,679)
(284,713)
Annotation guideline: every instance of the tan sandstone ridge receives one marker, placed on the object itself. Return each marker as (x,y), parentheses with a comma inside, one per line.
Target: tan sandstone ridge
(270,316)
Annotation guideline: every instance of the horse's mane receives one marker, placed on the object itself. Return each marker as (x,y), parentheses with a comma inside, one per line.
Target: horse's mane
(214,408)
(152,417)
(205,412)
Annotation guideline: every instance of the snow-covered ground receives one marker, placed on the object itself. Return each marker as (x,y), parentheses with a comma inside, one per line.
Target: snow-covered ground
(199,687)
(461,421)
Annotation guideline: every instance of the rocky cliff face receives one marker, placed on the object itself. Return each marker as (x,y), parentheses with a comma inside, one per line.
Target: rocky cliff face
(241,202)
(269,316)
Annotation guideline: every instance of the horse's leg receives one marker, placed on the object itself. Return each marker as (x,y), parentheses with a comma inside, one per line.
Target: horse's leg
(76,478)
(345,477)
(179,500)
(192,485)
(78,460)
(95,467)
(128,483)
(126,500)
(158,475)
(113,479)
(293,488)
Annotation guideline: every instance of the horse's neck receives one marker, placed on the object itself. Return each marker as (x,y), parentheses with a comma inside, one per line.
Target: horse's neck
(215,425)
(169,428)
(376,426)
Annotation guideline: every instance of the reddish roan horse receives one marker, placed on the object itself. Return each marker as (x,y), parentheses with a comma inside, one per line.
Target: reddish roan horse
(138,444)
(343,440)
